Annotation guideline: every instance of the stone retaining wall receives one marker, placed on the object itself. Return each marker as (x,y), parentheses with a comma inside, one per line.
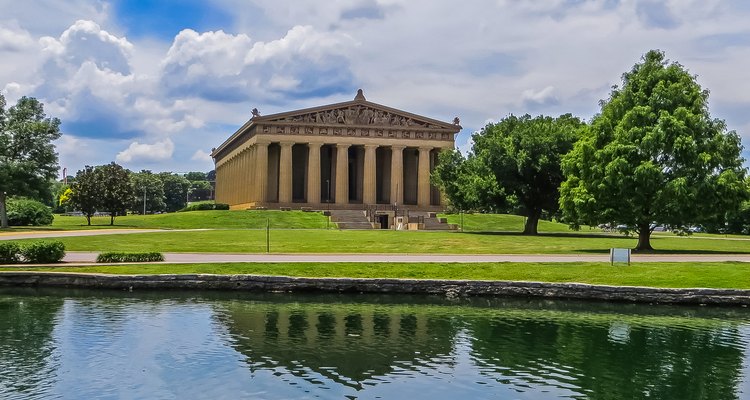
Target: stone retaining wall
(449,288)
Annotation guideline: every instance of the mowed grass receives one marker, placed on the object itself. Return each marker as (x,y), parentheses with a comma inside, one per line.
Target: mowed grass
(728,275)
(388,241)
(222,219)
(505,223)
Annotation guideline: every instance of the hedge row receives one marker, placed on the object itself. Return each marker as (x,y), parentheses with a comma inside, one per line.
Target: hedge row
(115,257)
(42,252)
(206,207)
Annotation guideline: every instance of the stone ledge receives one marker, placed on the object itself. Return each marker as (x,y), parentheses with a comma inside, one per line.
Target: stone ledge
(362,285)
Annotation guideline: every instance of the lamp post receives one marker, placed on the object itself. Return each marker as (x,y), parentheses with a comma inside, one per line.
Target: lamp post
(144,200)
(328,202)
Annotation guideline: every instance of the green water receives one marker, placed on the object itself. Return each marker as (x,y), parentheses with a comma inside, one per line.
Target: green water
(175,345)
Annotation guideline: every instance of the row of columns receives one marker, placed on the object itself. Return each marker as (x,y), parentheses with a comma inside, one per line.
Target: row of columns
(249,170)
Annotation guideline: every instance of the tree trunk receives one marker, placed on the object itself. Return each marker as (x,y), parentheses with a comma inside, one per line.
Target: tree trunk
(644,238)
(111,219)
(88,219)
(532,222)
(3,212)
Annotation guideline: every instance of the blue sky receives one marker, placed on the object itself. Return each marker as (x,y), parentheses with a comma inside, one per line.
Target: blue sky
(157,84)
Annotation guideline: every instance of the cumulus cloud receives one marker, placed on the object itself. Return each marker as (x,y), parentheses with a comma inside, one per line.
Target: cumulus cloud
(223,67)
(543,96)
(14,39)
(201,155)
(142,152)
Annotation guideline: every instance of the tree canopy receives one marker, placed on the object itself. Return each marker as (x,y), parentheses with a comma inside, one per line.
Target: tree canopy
(653,155)
(86,191)
(514,164)
(27,156)
(116,190)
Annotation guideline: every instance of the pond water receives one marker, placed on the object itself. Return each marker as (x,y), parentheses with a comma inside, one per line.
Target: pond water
(181,345)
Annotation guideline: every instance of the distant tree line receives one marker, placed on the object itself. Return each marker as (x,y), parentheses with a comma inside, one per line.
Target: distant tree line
(114,190)
(653,156)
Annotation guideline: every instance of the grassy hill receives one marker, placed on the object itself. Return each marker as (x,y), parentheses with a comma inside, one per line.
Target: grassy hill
(506,223)
(238,219)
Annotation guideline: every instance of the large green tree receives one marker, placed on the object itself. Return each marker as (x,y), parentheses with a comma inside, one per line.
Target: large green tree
(523,154)
(653,155)
(176,189)
(147,184)
(116,189)
(86,191)
(28,161)
(468,184)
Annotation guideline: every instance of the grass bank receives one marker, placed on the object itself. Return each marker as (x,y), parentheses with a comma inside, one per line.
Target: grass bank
(421,242)
(727,275)
(213,219)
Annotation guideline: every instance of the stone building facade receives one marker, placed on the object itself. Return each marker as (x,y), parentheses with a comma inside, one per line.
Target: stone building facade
(341,156)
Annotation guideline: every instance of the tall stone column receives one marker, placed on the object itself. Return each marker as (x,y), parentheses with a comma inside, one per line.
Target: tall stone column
(261,172)
(342,174)
(423,182)
(285,173)
(397,175)
(313,173)
(369,184)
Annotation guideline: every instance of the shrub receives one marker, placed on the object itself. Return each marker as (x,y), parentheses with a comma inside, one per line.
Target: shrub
(9,253)
(206,207)
(43,252)
(115,257)
(24,212)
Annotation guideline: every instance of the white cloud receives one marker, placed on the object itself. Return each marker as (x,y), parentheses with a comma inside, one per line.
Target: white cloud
(201,155)
(542,96)
(481,61)
(141,152)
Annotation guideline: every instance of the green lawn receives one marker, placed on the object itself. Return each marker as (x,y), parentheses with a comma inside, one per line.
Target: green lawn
(239,219)
(505,223)
(378,241)
(669,275)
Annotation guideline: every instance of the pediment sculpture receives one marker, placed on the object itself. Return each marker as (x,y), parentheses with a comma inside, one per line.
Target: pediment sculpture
(357,115)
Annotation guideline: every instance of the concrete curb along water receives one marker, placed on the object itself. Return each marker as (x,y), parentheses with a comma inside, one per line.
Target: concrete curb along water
(449,288)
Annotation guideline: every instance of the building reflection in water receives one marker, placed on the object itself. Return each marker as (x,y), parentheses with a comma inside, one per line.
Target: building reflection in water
(521,345)
(353,345)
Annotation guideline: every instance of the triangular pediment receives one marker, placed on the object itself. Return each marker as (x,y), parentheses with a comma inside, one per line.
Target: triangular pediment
(358,113)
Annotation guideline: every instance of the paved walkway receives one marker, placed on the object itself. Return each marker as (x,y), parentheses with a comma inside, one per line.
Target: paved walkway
(190,258)
(86,232)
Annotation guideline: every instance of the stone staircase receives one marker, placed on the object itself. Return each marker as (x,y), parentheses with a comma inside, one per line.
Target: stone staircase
(357,219)
(430,223)
(350,219)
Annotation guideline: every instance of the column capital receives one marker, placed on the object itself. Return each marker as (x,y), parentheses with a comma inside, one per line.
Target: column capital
(371,146)
(262,143)
(286,144)
(315,144)
(343,145)
(425,148)
(397,147)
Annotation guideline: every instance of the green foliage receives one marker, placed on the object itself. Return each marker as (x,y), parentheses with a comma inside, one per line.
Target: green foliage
(10,253)
(206,207)
(176,189)
(654,155)
(86,192)
(146,182)
(116,257)
(25,212)
(27,157)
(43,252)
(514,164)
(200,190)
(115,189)
(467,184)
(195,176)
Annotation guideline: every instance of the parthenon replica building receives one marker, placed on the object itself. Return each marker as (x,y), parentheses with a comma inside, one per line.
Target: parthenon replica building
(340,156)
